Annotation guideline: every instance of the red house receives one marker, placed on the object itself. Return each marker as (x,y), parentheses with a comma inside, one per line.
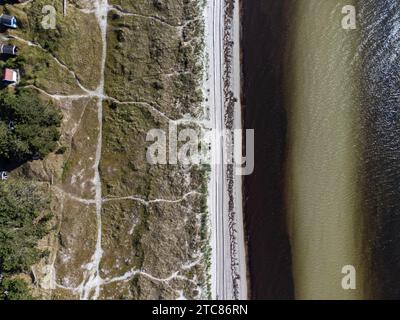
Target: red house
(10,76)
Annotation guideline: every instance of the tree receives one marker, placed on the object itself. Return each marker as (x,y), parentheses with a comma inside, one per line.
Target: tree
(28,126)
(14,289)
(24,216)
(23,222)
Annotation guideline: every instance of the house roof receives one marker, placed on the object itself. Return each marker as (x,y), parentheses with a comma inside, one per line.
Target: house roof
(8,49)
(7,20)
(10,75)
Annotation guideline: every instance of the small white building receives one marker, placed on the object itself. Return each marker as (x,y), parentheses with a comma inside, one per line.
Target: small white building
(8,21)
(8,49)
(3,175)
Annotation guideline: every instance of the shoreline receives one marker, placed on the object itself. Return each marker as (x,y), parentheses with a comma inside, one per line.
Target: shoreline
(238,179)
(228,270)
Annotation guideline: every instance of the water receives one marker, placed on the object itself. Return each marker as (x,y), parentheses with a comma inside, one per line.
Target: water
(324,102)
(324,215)
(379,49)
(268,242)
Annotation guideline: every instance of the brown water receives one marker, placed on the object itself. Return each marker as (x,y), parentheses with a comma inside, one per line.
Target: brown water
(323,198)
(324,103)
(302,96)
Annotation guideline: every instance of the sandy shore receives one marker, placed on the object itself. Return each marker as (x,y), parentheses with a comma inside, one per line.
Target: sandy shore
(228,260)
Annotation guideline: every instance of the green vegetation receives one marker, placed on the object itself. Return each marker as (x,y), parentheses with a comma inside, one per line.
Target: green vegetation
(79,50)
(153,62)
(38,68)
(158,63)
(66,171)
(24,220)
(28,127)
(140,229)
(48,38)
(126,126)
(14,289)
(205,228)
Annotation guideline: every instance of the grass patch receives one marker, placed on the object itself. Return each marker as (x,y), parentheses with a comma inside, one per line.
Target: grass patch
(76,39)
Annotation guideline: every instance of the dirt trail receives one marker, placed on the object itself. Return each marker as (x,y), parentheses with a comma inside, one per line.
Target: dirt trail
(84,277)
(92,278)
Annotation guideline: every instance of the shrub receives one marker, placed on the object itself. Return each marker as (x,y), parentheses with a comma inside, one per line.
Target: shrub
(23,222)
(28,127)
(14,289)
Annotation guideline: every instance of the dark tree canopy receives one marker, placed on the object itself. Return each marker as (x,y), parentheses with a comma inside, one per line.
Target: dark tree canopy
(28,126)
(14,289)
(24,220)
